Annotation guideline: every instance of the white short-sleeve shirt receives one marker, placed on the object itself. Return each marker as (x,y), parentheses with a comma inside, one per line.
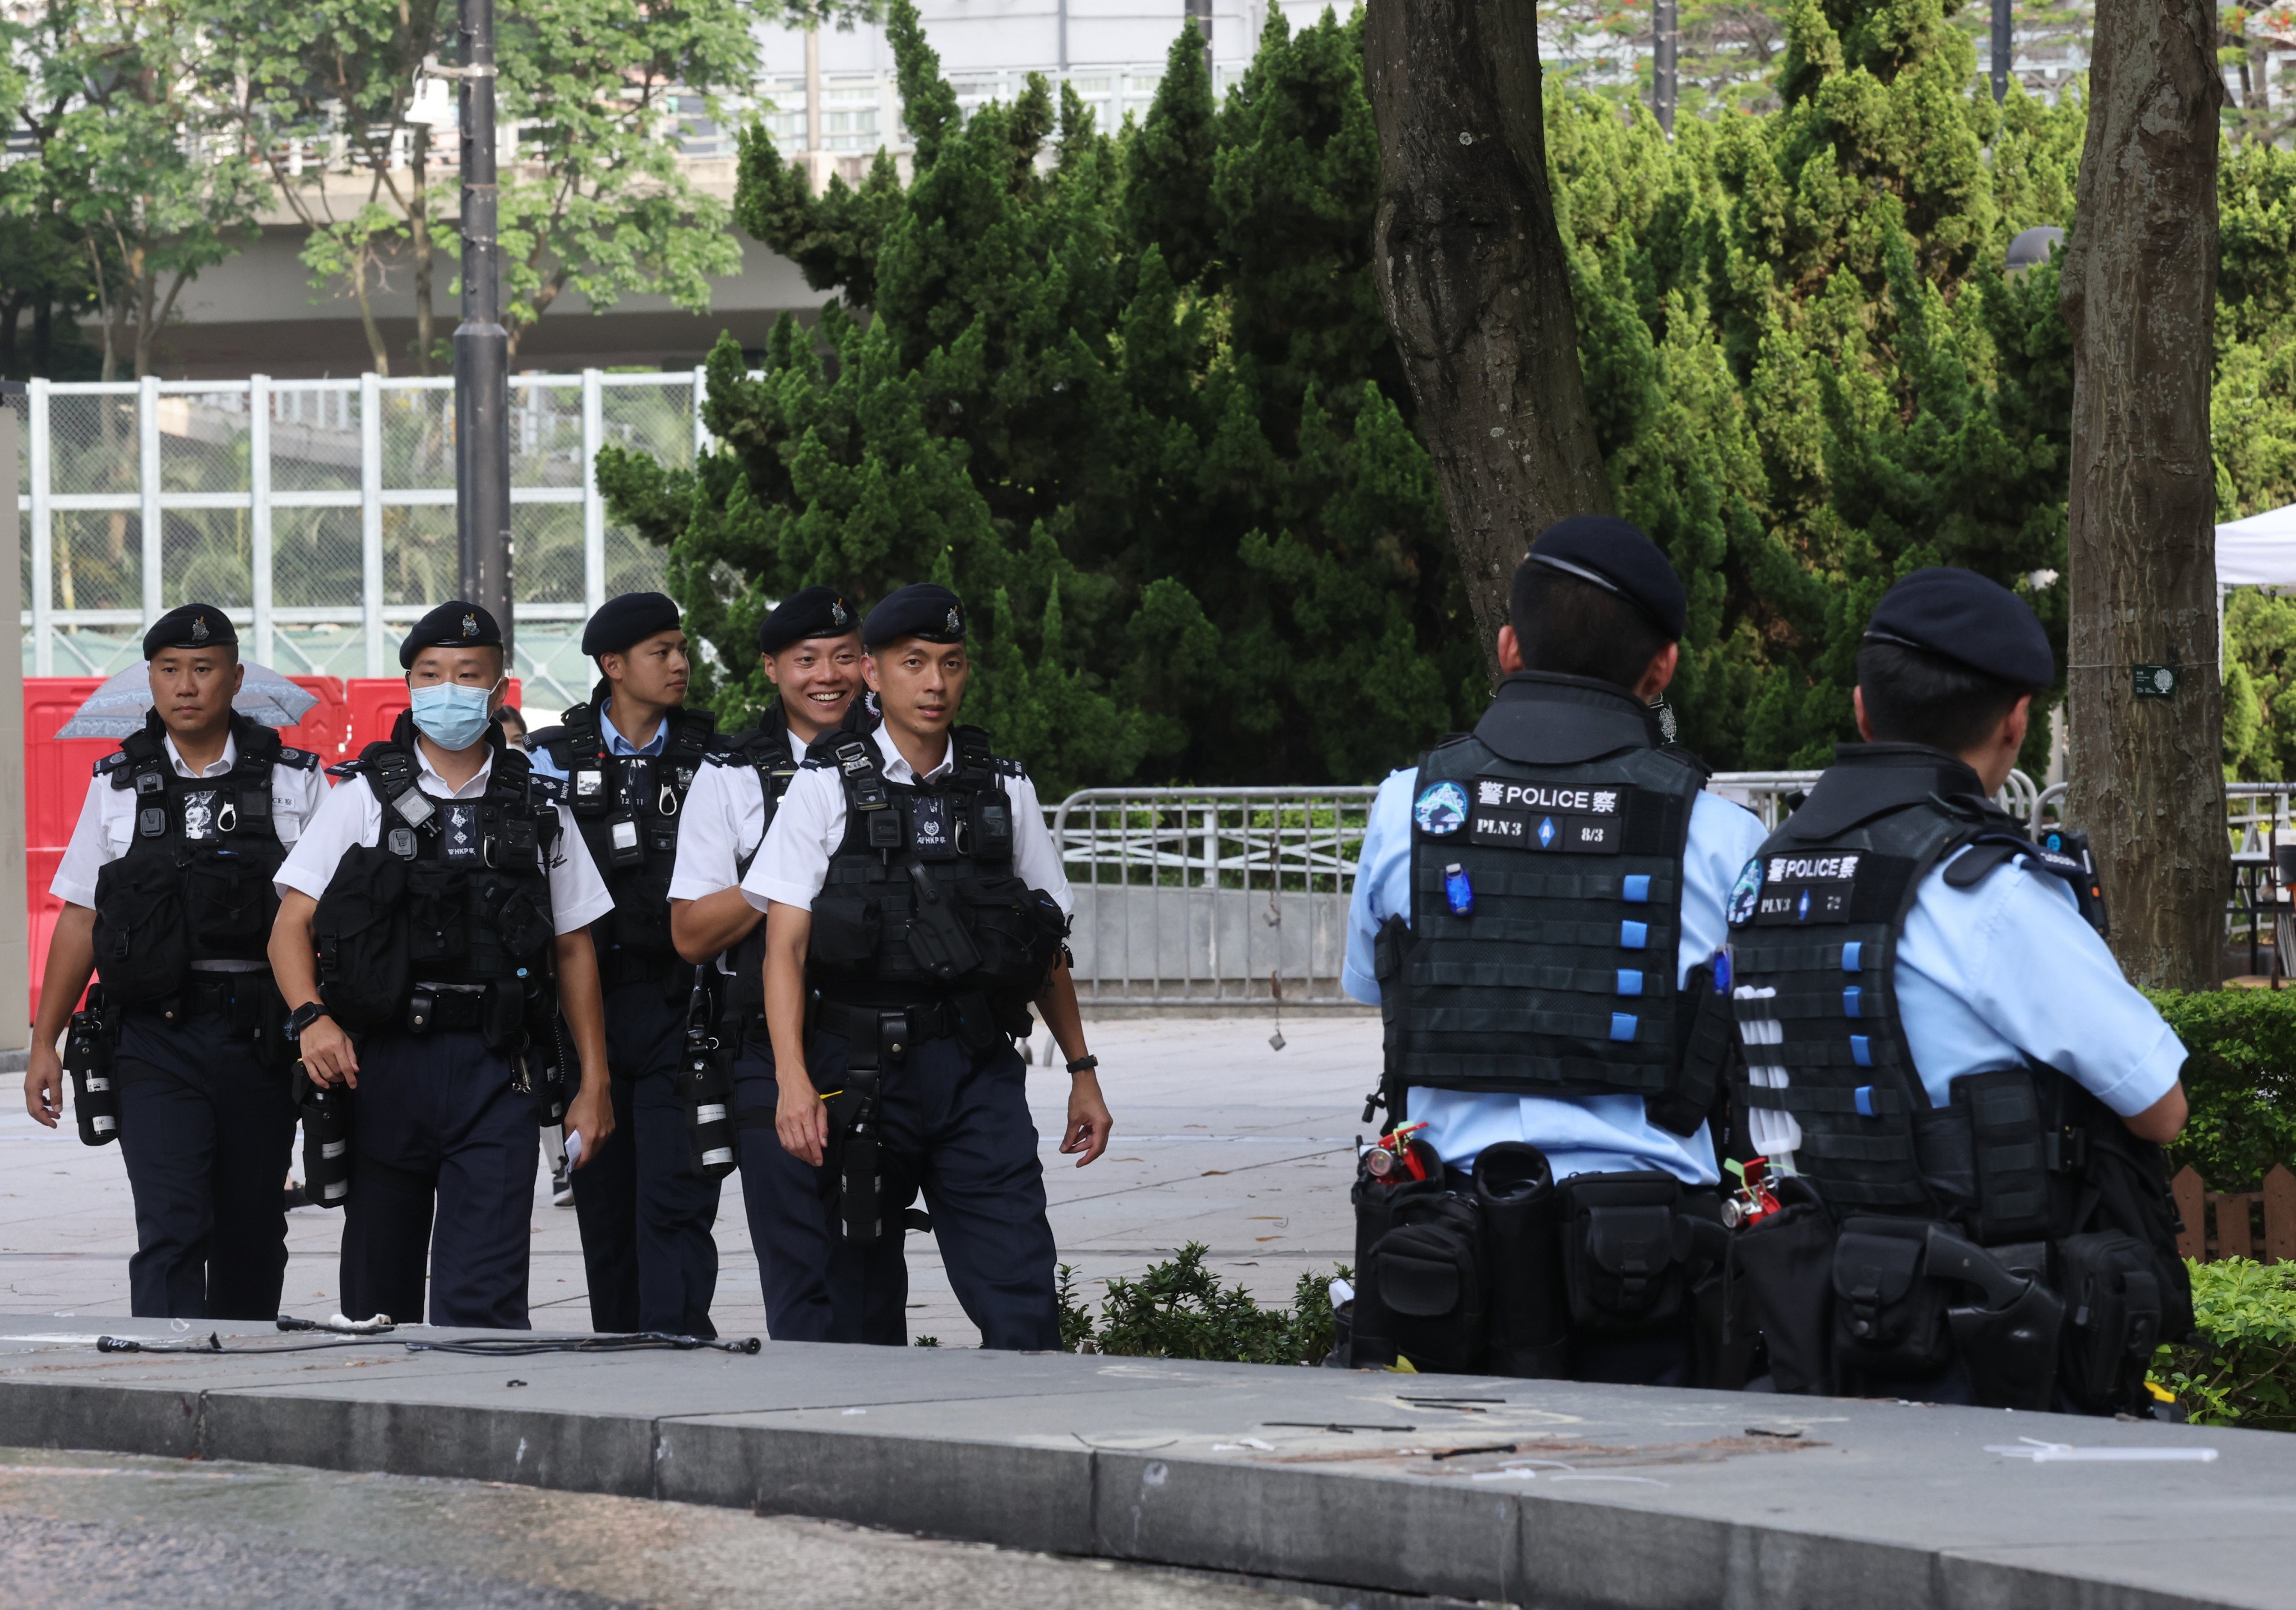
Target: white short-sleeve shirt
(107,826)
(810,825)
(352,819)
(721,825)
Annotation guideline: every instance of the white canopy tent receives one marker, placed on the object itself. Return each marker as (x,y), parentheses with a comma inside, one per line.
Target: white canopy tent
(2259,551)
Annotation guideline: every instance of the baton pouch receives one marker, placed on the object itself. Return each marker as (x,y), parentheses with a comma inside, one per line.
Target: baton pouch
(2114,1319)
(88,1057)
(1427,1269)
(326,1115)
(1522,1247)
(1888,1317)
(1627,1250)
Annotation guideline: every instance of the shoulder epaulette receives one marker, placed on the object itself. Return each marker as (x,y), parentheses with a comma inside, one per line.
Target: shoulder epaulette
(346,768)
(113,761)
(818,763)
(1009,768)
(553,789)
(546,737)
(1678,752)
(301,759)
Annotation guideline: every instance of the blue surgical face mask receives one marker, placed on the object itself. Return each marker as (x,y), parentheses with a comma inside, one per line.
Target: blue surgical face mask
(452,715)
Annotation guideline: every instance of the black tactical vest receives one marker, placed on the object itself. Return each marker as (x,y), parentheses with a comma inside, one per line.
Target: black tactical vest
(456,892)
(920,902)
(626,808)
(765,749)
(195,881)
(1546,903)
(1814,921)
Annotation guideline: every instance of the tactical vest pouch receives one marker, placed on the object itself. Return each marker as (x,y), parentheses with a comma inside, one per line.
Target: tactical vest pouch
(846,929)
(360,931)
(1522,1247)
(1626,1252)
(1707,1041)
(1785,1268)
(438,921)
(502,1016)
(1018,930)
(143,942)
(2115,1308)
(1370,1342)
(938,941)
(1429,1275)
(229,901)
(1888,1318)
(2004,1128)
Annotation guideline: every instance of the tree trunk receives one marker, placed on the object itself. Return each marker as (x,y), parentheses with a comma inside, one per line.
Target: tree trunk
(2140,286)
(1472,279)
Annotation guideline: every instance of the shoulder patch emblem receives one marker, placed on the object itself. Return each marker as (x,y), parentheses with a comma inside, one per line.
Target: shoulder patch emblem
(1744,893)
(547,786)
(1440,810)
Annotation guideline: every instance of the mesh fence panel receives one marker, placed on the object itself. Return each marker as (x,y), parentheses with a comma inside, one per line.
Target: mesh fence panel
(547,559)
(420,563)
(314,438)
(418,439)
(92,445)
(545,432)
(99,559)
(203,441)
(207,556)
(314,558)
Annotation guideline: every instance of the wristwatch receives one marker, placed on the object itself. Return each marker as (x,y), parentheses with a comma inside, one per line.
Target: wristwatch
(303,1016)
(1084,1065)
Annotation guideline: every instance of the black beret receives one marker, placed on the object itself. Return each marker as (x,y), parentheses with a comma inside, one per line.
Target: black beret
(922,611)
(1615,556)
(814,611)
(629,620)
(454,624)
(1963,616)
(188,625)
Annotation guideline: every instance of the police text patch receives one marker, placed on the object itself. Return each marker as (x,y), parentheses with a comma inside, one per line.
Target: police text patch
(1806,889)
(1511,814)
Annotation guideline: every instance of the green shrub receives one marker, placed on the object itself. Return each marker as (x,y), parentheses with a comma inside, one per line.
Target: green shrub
(2240,1080)
(2245,1373)
(1179,1309)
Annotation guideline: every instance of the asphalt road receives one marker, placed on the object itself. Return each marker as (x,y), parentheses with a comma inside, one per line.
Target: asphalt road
(89,1532)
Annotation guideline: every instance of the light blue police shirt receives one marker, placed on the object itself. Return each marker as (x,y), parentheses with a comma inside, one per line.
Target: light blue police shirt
(1579,1134)
(616,744)
(2009,968)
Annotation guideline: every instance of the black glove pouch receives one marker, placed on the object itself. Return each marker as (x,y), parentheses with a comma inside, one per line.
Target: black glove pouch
(1888,1317)
(1785,1269)
(1624,1253)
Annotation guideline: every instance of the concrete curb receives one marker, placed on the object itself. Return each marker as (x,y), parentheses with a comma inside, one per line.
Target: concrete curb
(1864,1526)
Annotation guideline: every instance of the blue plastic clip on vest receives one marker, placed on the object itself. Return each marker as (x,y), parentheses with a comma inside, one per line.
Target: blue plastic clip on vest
(1632,936)
(1622,1026)
(1861,1050)
(1635,889)
(1866,1101)
(1721,969)
(1630,982)
(1850,953)
(1458,892)
(1852,1002)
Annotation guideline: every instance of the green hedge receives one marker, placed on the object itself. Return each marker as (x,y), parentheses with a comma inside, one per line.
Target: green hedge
(2244,1373)
(1180,1309)
(2240,1080)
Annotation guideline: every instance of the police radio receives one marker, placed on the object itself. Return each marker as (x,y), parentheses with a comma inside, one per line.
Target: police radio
(2088,889)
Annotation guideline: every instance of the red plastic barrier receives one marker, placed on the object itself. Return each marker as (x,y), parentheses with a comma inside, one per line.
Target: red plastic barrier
(376,703)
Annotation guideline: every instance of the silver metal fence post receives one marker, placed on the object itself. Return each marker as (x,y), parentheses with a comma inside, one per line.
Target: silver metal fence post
(370,521)
(147,424)
(258,510)
(44,551)
(594,504)
(15,941)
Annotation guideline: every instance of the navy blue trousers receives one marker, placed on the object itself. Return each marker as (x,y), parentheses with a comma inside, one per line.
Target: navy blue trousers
(443,1156)
(789,1228)
(206,1133)
(956,1128)
(646,1212)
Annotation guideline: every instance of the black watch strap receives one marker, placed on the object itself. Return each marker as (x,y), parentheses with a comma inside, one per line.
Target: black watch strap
(303,1016)
(1084,1065)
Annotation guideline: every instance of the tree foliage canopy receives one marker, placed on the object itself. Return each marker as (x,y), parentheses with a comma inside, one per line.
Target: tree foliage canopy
(1132,396)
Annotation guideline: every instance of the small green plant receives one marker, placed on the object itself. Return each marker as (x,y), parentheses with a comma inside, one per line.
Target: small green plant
(2244,1372)
(2241,1079)
(1180,1309)
(928,1342)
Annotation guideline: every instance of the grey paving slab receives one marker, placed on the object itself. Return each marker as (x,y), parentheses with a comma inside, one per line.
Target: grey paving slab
(1220,1140)
(1554,1494)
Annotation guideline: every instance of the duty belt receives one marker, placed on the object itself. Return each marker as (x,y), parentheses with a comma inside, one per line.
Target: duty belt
(203,992)
(433,1011)
(856,1024)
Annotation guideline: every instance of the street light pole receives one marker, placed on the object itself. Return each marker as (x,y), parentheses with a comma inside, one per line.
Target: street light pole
(2005,44)
(1201,11)
(481,345)
(1666,46)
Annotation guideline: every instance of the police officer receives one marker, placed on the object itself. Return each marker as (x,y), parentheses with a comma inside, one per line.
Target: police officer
(1537,911)
(629,758)
(1961,1098)
(167,895)
(433,924)
(910,885)
(810,646)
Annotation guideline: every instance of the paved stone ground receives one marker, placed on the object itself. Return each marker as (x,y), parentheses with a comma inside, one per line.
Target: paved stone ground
(103,1530)
(1219,1138)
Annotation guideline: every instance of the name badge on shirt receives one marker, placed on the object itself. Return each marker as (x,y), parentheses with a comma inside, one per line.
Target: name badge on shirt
(458,831)
(1510,814)
(199,815)
(1797,889)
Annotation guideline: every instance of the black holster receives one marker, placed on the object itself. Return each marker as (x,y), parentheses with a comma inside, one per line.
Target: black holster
(1522,1215)
(853,1163)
